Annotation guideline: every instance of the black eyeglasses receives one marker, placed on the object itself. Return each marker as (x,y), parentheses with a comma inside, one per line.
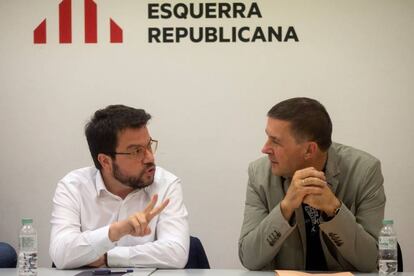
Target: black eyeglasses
(139,152)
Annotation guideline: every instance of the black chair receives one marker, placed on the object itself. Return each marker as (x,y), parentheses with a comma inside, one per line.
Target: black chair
(197,257)
(400,259)
(8,256)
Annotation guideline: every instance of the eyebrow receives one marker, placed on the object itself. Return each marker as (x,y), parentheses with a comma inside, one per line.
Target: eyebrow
(138,145)
(272,137)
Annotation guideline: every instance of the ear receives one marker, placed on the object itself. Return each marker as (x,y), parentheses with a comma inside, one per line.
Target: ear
(310,150)
(105,161)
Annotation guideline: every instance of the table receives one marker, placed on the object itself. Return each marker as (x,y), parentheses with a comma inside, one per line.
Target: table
(42,271)
(209,272)
(235,272)
(170,272)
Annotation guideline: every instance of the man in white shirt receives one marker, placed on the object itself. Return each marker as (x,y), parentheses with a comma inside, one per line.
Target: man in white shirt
(107,215)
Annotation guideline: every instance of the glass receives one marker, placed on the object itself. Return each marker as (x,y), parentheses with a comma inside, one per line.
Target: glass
(139,152)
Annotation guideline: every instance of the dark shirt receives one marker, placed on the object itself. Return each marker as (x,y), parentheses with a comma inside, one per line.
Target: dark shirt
(315,259)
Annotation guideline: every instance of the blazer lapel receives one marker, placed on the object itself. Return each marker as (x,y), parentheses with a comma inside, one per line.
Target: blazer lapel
(300,222)
(332,170)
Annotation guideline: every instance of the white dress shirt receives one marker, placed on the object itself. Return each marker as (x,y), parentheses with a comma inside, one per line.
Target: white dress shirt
(83,209)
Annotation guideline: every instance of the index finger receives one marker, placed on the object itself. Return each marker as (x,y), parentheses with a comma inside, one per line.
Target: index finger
(310,172)
(313,181)
(158,209)
(151,204)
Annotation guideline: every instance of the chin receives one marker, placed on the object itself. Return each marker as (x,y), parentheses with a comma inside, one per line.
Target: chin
(275,169)
(276,172)
(149,181)
(279,172)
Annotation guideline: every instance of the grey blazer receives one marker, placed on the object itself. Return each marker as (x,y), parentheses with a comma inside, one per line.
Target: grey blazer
(349,240)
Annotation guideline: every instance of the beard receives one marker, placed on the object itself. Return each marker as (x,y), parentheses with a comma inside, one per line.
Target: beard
(135,182)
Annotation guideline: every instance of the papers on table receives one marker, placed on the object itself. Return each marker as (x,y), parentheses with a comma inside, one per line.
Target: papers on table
(300,273)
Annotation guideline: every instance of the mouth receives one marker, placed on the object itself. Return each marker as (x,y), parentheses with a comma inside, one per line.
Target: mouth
(150,170)
(273,161)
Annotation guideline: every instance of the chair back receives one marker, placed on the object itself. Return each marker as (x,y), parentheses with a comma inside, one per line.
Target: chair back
(197,257)
(399,258)
(8,256)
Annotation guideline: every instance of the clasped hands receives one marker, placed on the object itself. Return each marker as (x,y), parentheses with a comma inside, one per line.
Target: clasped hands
(309,186)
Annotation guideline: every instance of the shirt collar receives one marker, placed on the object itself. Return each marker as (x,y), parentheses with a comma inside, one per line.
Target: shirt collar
(99,184)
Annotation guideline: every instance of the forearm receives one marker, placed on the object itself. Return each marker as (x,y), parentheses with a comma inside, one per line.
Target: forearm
(352,241)
(70,249)
(170,250)
(171,247)
(159,254)
(259,245)
(359,226)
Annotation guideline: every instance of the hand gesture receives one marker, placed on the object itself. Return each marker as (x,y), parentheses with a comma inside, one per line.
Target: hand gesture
(140,220)
(137,224)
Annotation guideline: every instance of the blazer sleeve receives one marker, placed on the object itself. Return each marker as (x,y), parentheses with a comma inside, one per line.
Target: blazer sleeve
(263,231)
(355,235)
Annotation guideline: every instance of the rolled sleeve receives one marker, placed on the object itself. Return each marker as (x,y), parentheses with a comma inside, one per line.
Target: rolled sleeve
(99,240)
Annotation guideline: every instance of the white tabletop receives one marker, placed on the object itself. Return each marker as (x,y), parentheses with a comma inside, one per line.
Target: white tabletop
(237,272)
(170,272)
(56,272)
(205,272)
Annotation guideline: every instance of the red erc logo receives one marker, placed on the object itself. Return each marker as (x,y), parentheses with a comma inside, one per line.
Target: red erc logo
(65,25)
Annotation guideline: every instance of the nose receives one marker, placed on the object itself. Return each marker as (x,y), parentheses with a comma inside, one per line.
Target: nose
(149,156)
(266,148)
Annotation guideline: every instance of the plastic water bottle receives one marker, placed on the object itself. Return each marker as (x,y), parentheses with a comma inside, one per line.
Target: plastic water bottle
(27,264)
(387,243)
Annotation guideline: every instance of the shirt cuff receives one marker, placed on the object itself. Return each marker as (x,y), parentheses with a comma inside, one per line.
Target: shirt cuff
(118,257)
(99,240)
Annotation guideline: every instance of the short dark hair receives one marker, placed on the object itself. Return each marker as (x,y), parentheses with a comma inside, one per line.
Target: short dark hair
(102,130)
(309,120)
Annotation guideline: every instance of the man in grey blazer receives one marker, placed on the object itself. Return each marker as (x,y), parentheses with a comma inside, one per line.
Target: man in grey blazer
(311,204)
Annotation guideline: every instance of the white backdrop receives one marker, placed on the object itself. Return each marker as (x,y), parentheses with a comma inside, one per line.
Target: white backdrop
(208,101)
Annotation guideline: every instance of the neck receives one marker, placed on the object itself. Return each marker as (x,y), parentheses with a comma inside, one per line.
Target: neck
(320,160)
(114,186)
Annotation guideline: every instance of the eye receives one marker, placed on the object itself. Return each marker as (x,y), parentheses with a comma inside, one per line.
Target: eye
(275,142)
(138,151)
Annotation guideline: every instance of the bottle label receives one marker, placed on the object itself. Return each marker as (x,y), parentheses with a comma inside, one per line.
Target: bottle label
(387,267)
(27,242)
(387,243)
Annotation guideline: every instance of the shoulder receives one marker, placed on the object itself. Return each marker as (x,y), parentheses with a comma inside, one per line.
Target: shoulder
(80,178)
(260,167)
(260,174)
(164,181)
(347,155)
(75,186)
(260,164)
(164,177)
(355,167)
(359,175)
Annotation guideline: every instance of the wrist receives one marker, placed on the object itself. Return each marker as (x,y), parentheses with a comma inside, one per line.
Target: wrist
(106,259)
(115,231)
(286,211)
(334,210)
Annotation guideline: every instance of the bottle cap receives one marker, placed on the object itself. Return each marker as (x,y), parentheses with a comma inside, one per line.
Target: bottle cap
(27,221)
(387,221)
